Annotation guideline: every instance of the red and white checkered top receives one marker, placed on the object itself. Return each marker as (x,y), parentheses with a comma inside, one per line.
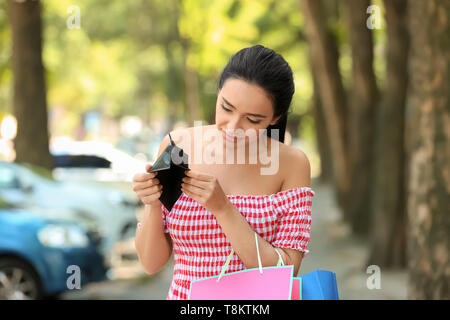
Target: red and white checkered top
(200,247)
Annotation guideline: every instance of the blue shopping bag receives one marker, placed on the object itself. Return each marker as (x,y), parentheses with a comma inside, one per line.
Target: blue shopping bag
(319,285)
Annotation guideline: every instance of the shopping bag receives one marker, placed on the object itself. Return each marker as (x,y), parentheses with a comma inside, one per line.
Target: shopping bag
(263,283)
(170,166)
(319,285)
(296,288)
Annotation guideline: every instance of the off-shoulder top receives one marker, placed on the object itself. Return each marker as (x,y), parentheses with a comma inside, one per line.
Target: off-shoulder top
(200,247)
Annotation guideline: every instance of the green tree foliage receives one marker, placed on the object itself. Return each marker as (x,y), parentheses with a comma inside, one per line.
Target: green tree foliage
(130,57)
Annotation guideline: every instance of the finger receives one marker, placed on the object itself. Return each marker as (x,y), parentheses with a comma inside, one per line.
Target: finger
(191,189)
(148,166)
(198,175)
(192,195)
(149,191)
(195,189)
(144,185)
(141,177)
(152,182)
(151,198)
(195,182)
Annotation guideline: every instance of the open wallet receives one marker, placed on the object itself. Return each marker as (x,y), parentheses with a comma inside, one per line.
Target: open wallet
(171,166)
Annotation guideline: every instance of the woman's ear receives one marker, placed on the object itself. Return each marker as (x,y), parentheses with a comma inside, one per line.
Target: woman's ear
(275,120)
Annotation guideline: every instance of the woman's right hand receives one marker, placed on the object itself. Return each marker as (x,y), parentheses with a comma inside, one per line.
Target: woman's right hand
(147,187)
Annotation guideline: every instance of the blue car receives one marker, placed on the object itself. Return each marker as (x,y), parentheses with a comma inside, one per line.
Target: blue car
(41,257)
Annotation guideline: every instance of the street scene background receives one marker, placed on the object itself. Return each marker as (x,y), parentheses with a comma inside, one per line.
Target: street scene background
(88,90)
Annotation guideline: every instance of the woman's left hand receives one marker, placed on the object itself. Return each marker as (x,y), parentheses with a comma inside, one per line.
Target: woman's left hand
(206,190)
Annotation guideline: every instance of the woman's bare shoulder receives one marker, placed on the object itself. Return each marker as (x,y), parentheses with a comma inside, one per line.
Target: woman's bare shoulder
(296,167)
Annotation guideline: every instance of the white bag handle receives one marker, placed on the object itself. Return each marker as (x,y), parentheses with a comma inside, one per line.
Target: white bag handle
(227,262)
(259,257)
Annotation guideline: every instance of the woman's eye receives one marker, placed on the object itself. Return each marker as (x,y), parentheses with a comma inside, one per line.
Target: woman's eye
(253,121)
(227,110)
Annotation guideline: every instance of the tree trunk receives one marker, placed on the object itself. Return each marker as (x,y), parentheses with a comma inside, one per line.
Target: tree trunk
(192,93)
(428,141)
(30,105)
(323,145)
(173,87)
(175,74)
(324,55)
(361,116)
(388,233)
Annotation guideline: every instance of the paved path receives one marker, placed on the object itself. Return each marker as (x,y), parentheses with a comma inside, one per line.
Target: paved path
(332,247)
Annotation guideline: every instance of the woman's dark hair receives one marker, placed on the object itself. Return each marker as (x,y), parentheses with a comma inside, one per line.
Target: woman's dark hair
(266,68)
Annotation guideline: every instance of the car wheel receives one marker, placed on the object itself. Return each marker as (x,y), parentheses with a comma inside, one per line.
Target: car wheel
(18,281)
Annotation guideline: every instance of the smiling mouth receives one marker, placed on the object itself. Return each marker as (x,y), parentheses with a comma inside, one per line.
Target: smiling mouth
(228,137)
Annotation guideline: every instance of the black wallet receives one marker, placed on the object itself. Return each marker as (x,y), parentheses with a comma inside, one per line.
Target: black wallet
(170,166)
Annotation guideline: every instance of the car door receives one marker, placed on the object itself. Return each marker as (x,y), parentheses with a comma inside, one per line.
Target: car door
(11,189)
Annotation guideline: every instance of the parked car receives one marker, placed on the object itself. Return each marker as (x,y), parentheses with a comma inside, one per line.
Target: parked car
(114,213)
(91,170)
(37,254)
(93,160)
(80,161)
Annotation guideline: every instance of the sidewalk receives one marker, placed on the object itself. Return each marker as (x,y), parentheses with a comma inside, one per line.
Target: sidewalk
(135,285)
(332,248)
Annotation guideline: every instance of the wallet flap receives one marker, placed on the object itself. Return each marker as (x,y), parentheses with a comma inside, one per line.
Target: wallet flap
(171,166)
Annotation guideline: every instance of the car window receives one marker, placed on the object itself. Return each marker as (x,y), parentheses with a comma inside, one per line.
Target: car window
(8,178)
(80,161)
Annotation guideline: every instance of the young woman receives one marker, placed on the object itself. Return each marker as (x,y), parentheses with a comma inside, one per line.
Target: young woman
(223,204)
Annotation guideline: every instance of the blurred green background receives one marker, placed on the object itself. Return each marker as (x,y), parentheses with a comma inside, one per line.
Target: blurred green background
(370,110)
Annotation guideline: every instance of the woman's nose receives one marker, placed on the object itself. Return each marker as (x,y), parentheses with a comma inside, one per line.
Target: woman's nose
(234,131)
(233,125)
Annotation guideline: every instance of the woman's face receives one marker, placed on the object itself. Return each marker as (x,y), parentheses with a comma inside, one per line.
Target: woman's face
(242,105)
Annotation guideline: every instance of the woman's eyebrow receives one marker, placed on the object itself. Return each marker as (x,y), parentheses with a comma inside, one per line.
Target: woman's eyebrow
(250,114)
